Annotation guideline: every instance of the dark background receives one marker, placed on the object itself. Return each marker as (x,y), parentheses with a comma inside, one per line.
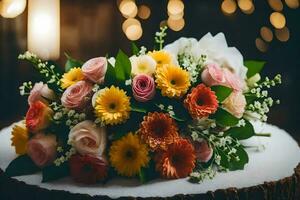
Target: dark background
(93,28)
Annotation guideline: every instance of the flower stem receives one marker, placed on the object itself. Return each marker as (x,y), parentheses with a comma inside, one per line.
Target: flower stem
(263,134)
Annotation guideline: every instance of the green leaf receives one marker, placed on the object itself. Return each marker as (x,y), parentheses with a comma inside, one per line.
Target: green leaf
(148,173)
(22,165)
(177,118)
(254,67)
(242,133)
(122,67)
(222,92)
(53,172)
(71,63)
(135,108)
(250,98)
(224,118)
(224,161)
(135,49)
(243,159)
(110,75)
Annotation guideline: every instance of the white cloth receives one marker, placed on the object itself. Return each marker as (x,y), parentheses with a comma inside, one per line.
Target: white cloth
(277,161)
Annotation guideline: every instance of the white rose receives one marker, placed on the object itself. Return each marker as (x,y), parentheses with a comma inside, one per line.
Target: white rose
(87,138)
(181,46)
(142,64)
(217,51)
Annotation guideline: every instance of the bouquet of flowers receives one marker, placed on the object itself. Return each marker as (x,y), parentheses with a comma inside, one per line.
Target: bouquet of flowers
(178,111)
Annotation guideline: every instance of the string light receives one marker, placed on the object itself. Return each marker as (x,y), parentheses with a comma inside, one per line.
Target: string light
(228,7)
(144,12)
(266,34)
(12,8)
(283,34)
(292,3)
(276,5)
(128,8)
(277,19)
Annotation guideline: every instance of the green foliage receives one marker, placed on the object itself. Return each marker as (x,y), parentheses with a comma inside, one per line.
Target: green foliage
(135,50)
(72,63)
(149,173)
(242,133)
(254,67)
(22,165)
(53,172)
(224,118)
(243,159)
(222,92)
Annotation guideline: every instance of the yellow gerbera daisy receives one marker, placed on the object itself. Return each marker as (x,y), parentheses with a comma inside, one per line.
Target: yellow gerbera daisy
(128,155)
(71,77)
(20,136)
(161,57)
(172,80)
(112,105)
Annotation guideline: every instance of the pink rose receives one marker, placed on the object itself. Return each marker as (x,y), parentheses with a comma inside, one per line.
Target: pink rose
(40,92)
(143,87)
(87,138)
(42,149)
(95,69)
(203,151)
(38,117)
(235,104)
(77,95)
(213,74)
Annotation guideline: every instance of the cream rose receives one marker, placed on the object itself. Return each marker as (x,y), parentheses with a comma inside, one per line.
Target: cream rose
(143,64)
(235,104)
(87,138)
(40,92)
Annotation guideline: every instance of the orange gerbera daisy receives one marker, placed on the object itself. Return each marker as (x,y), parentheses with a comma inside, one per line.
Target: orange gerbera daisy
(177,161)
(201,102)
(158,130)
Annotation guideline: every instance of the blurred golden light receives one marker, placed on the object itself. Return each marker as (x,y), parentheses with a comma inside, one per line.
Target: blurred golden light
(175,7)
(283,34)
(163,23)
(12,8)
(175,17)
(248,12)
(276,5)
(292,3)
(134,32)
(144,12)
(129,22)
(277,19)
(176,25)
(261,45)
(266,34)
(228,6)
(245,5)
(128,8)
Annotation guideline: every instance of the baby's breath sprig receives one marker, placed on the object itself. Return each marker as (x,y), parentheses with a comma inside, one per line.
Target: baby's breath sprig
(192,65)
(159,37)
(46,69)
(25,88)
(65,157)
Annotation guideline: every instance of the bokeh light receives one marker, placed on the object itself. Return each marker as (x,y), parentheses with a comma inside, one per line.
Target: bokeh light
(261,45)
(277,19)
(276,5)
(245,5)
(129,22)
(175,7)
(266,34)
(128,8)
(176,25)
(12,8)
(144,12)
(134,32)
(283,34)
(292,3)
(228,7)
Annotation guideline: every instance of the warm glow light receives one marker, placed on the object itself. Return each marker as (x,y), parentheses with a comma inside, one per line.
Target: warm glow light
(129,22)
(176,25)
(144,12)
(175,7)
(266,34)
(44,28)
(12,8)
(283,34)
(163,23)
(276,5)
(292,3)
(277,19)
(245,5)
(228,6)
(128,8)
(134,32)
(261,45)
(176,17)
(248,12)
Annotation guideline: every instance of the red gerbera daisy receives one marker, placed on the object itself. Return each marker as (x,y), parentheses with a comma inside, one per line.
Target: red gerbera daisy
(88,169)
(201,102)
(177,161)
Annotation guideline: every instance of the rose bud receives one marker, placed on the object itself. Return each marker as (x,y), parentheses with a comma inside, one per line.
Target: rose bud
(40,92)
(38,117)
(95,69)
(203,151)
(235,104)
(88,169)
(143,88)
(42,149)
(77,95)
(87,138)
